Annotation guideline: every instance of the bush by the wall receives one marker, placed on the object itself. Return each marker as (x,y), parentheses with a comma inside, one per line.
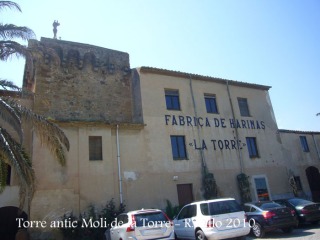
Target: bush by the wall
(91,225)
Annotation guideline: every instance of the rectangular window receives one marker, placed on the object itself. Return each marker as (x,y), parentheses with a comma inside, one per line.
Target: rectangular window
(252,147)
(178,147)
(95,148)
(211,103)
(172,99)
(304,143)
(243,106)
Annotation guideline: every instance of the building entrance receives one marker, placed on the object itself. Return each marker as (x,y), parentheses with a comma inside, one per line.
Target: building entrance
(185,194)
(313,176)
(8,222)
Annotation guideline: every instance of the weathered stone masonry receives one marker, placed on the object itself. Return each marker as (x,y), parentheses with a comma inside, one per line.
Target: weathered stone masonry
(84,83)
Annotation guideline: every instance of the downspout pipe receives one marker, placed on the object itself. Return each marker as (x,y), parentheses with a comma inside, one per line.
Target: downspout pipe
(119,166)
(236,129)
(204,165)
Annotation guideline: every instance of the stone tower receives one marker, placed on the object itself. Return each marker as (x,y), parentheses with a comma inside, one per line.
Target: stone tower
(80,82)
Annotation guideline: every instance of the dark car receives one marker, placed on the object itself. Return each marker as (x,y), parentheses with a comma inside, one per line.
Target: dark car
(307,211)
(268,216)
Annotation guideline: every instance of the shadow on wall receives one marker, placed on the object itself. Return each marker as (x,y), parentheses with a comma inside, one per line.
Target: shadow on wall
(9,228)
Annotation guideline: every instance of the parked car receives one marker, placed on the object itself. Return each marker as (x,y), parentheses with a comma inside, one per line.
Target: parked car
(211,219)
(268,216)
(307,211)
(141,224)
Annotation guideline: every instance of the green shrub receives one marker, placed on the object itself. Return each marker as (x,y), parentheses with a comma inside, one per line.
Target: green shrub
(172,211)
(91,224)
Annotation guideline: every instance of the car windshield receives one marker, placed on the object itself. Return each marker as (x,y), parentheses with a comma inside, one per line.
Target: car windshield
(298,201)
(269,205)
(222,207)
(150,219)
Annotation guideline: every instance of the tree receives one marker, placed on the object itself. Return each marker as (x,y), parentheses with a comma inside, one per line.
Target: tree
(8,47)
(13,114)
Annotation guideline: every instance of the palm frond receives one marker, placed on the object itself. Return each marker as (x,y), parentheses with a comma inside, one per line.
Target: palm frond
(9,4)
(11,31)
(48,132)
(51,135)
(10,116)
(19,160)
(10,48)
(5,84)
(3,173)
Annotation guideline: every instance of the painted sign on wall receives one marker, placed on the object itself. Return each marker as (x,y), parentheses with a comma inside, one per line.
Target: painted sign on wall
(217,144)
(191,121)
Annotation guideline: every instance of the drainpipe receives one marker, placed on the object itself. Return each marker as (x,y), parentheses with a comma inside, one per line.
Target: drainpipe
(236,129)
(198,129)
(315,144)
(119,166)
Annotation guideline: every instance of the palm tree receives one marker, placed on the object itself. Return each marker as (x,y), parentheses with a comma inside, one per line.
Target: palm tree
(11,31)
(13,114)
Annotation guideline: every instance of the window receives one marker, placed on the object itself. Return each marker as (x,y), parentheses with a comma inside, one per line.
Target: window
(95,148)
(188,212)
(172,99)
(261,188)
(122,219)
(152,217)
(178,147)
(252,147)
(211,103)
(243,106)
(250,209)
(220,207)
(304,143)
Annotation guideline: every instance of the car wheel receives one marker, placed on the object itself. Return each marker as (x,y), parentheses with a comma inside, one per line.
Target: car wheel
(176,237)
(287,229)
(257,230)
(200,235)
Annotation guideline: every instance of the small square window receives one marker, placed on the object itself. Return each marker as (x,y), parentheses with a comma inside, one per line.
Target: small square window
(243,106)
(172,99)
(252,147)
(304,143)
(178,146)
(95,148)
(211,103)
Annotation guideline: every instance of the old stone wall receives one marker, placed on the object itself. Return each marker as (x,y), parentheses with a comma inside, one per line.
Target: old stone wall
(80,82)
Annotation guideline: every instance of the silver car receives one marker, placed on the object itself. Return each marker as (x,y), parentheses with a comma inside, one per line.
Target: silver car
(212,220)
(141,224)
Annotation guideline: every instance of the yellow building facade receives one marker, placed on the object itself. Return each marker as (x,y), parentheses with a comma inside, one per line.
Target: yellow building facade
(143,136)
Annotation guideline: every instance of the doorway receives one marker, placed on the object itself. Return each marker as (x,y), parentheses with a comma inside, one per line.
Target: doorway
(313,176)
(9,225)
(185,194)
(261,188)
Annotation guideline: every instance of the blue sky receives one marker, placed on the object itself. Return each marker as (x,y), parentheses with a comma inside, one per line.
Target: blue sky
(268,42)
